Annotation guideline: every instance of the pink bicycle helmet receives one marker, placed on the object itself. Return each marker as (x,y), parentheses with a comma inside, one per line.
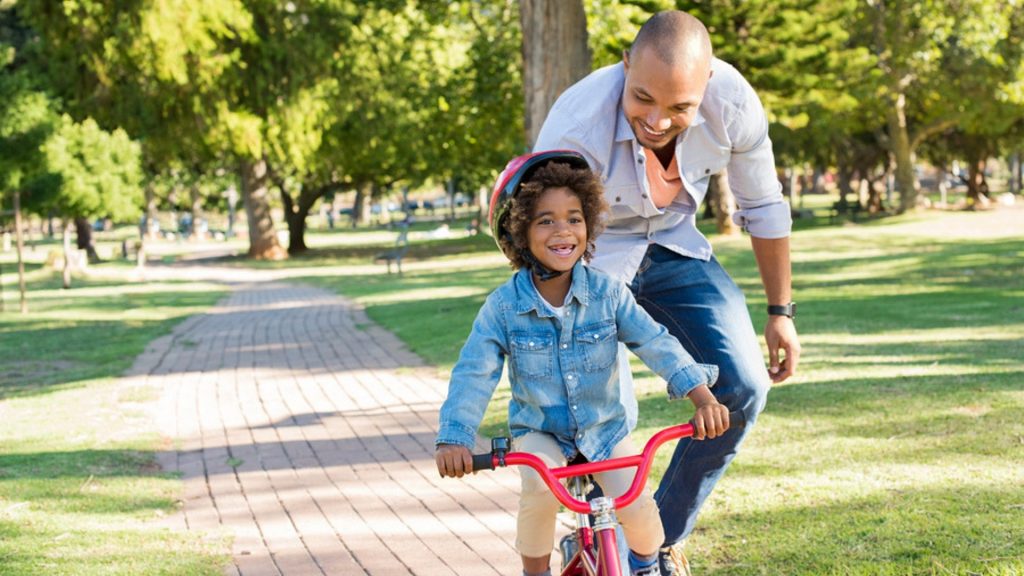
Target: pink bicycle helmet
(517,171)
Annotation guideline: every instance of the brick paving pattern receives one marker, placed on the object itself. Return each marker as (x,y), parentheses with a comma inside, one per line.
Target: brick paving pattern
(304,432)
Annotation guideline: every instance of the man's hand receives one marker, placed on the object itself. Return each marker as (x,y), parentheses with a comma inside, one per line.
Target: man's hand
(453,460)
(780,334)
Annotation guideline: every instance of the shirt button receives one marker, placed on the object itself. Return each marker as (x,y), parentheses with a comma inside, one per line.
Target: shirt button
(569,377)
(596,336)
(573,406)
(644,196)
(564,346)
(531,344)
(707,170)
(618,198)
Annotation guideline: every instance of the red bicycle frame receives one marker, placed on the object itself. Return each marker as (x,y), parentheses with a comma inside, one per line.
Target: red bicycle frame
(597,553)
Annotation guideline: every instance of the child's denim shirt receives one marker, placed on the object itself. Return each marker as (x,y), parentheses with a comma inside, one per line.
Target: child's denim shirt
(563,372)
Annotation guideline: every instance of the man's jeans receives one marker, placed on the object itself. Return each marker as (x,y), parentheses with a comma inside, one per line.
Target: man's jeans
(701,306)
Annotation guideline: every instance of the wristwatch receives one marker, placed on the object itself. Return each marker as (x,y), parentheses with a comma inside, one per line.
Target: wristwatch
(788,310)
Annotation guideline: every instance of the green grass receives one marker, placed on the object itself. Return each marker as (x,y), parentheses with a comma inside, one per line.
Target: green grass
(899,447)
(80,491)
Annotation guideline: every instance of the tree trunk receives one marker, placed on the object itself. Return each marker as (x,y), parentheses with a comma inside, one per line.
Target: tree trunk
(297,232)
(263,244)
(977,187)
(451,199)
(150,230)
(1017,176)
(844,178)
(68,254)
(361,205)
(722,202)
(555,55)
(84,239)
(902,152)
(198,227)
(295,213)
(20,248)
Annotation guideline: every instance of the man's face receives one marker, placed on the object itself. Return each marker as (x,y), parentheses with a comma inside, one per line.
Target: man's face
(659,100)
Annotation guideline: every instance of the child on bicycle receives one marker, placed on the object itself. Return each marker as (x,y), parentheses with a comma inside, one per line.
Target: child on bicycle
(558,323)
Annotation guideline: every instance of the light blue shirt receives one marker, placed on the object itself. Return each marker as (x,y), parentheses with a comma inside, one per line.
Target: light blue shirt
(563,371)
(730,131)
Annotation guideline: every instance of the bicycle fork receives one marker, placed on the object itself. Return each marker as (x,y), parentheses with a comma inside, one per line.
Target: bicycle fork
(579,554)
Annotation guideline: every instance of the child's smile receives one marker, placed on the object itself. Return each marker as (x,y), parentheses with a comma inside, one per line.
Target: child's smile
(558,231)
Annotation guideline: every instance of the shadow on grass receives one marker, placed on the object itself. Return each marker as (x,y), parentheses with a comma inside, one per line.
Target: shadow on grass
(61,342)
(74,481)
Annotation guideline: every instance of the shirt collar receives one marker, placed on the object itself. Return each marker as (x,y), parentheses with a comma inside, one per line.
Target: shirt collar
(530,298)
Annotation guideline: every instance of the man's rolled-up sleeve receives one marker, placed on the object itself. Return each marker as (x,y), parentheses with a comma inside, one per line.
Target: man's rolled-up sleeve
(762,210)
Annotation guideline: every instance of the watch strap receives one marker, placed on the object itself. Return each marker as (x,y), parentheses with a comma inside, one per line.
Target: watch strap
(788,310)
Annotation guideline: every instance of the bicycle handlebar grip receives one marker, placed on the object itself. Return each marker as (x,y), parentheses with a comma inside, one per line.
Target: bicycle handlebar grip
(483,461)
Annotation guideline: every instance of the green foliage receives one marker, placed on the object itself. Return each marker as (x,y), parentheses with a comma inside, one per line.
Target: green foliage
(89,172)
(26,113)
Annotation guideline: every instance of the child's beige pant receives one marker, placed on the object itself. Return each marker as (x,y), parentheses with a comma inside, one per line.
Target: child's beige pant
(538,506)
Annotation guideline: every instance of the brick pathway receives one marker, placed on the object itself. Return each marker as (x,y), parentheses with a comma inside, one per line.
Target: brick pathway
(305,432)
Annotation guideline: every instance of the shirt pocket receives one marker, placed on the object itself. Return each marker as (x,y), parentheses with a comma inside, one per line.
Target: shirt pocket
(532,355)
(599,345)
(699,164)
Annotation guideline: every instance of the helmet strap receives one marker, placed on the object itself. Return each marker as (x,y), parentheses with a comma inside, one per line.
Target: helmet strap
(543,272)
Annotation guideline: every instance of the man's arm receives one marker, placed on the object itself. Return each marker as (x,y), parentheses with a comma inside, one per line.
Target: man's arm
(780,333)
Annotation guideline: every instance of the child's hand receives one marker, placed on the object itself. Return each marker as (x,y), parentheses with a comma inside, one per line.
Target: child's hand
(453,460)
(711,419)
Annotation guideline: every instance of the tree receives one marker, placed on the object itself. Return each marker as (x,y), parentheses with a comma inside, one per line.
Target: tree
(555,55)
(26,120)
(927,51)
(89,173)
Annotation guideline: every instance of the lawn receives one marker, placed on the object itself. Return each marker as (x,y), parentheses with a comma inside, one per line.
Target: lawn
(80,491)
(898,449)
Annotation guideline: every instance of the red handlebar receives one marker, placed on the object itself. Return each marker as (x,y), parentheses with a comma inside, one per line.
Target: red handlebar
(642,461)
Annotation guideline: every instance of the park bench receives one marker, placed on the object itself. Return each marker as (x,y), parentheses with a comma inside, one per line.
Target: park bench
(853,209)
(397,253)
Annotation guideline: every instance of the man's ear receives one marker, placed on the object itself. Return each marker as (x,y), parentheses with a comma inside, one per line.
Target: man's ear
(625,58)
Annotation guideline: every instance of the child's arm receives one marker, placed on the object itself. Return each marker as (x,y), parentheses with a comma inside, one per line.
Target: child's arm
(473,380)
(711,418)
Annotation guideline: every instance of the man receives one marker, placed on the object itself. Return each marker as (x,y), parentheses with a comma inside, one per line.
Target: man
(656,127)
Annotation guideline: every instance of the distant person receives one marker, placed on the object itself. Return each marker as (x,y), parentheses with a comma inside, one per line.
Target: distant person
(558,323)
(656,127)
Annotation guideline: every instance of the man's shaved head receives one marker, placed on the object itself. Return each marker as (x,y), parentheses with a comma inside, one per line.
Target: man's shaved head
(676,38)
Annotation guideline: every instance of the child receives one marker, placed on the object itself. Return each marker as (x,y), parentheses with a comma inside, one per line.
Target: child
(559,323)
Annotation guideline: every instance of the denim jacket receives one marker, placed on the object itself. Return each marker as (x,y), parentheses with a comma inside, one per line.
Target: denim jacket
(563,371)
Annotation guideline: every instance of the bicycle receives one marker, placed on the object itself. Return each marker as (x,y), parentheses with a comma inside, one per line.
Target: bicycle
(591,550)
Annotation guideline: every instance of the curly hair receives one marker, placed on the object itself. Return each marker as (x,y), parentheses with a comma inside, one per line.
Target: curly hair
(580,181)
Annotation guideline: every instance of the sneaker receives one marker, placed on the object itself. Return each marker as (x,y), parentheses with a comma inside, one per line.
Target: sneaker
(673,562)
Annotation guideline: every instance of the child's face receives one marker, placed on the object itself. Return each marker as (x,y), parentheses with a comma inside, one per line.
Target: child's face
(558,233)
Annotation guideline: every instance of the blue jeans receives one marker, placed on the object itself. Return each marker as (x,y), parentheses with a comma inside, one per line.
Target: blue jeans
(701,306)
